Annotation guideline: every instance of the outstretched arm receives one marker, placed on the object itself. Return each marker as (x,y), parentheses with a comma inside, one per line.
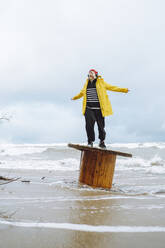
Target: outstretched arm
(115,88)
(78,95)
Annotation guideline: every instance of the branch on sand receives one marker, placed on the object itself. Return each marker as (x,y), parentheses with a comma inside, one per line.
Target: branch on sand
(6,215)
(5,178)
(9,180)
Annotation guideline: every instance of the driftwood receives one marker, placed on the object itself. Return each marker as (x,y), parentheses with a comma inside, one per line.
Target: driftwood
(25,181)
(10,180)
(4,178)
(5,215)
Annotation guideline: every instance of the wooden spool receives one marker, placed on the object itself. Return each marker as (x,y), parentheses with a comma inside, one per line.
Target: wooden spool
(97,165)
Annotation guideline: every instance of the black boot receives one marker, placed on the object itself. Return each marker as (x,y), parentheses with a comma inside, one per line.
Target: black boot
(90,143)
(102,144)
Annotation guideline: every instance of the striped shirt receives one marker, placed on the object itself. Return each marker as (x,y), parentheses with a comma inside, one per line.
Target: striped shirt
(92,97)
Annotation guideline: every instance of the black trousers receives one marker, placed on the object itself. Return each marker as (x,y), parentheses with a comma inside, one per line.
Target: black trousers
(92,116)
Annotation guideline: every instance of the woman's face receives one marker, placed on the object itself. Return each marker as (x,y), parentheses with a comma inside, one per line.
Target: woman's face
(92,75)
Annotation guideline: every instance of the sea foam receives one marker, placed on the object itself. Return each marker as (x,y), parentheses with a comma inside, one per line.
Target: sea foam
(86,228)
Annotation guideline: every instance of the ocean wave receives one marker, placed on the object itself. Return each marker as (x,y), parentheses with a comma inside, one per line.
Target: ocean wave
(69,164)
(153,165)
(159,145)
(27,149)
(20,149)
(61,157)
(85,227)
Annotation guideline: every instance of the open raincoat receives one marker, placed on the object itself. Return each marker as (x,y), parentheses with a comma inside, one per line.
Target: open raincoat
(101,87)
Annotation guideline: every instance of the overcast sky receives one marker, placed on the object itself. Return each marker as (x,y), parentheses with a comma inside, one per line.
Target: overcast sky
(46,50)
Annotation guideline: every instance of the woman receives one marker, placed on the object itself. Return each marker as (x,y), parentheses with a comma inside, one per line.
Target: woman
(96,105)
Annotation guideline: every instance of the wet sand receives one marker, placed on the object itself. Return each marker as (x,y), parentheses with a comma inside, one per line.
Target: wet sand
(58,212)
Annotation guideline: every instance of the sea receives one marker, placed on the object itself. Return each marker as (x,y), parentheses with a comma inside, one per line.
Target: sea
(146,166)
(48,196)
(147,163)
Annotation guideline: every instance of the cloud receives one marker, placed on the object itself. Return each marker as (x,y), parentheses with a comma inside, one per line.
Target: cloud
(39,122)
(48,47)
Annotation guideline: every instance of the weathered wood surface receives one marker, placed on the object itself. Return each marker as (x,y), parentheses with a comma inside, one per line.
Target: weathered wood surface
(97,165)
(94,149)
(97,169)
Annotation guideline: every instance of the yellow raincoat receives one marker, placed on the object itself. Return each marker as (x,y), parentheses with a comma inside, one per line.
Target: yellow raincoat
(101,87)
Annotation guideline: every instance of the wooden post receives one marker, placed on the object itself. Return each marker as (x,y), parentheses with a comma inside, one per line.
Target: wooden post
(97,165)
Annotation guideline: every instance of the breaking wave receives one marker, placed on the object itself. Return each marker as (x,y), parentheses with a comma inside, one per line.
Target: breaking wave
(69,164)
(147,157)
(86,228)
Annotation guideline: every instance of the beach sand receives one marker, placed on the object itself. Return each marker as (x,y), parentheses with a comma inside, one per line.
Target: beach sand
(46,213)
